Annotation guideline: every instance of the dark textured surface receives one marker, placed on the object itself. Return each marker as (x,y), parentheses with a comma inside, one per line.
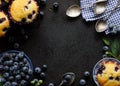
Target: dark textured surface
(65,45)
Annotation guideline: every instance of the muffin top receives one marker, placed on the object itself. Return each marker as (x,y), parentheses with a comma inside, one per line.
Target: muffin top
(109,74)
(23,10)
(4,23)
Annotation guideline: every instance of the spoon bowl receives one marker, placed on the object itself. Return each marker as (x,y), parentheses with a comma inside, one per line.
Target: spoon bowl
(73,11)
(100,7)
(101,26)
(71,80)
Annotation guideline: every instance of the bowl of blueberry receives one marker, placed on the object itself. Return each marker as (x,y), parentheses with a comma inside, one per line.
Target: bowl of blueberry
(106,72)
(16,69)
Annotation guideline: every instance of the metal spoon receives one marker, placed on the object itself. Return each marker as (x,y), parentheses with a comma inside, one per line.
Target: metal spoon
(68,81)
(73,11)
(101,25)
(100,6)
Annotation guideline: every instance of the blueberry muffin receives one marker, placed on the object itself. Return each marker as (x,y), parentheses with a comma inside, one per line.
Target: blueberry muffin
(4,23)
(23,11)
(109,74)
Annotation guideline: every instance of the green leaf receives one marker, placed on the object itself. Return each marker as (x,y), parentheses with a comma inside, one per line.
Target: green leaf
(115,46)
(110,54)
(106,41)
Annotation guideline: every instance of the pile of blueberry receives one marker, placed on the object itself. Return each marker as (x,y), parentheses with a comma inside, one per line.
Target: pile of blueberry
(39,75)
(15,69)
(83,82)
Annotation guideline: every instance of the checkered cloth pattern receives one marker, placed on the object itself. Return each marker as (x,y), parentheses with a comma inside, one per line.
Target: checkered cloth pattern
(88,13)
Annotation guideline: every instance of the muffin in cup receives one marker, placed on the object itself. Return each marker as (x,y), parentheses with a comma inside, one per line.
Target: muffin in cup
(23,11)
(107,72)
(4,23)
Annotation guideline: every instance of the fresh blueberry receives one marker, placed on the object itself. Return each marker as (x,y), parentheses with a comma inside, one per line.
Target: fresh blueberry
(7,83)
(21,64)
(25,60)
(37,70)
(6,56)
(6,63)
(6,68)
(30,72)
(26,37)
(1,61)
(25,69)
(51,84)
(1,67)
(14,84)
(18,77)
(11,78)
(82,82)
(86,73)
(15,63)
(35,80)
(16,59)
(10,62)
(44,67)
(16,45)
(15,67)
(11,68)
(21,55)
(68,77)
(104,56)
(27,77)
(27,65)
(41,13)
(105,48)
(15,72)
(55,5)
(6,75)
(3,80)
(23,83)
(22,74)
(42,75)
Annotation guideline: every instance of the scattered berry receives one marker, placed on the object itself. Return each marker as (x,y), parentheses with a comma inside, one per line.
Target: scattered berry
(105,48)
(82,82)
(44,67)
(51,84)
(16,45)
(86,73)
(104,56)
(68,77)
(38,70)
(42,75)
(55,5)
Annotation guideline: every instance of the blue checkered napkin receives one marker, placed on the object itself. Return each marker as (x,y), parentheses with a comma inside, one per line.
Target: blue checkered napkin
(114,21)
(87,9)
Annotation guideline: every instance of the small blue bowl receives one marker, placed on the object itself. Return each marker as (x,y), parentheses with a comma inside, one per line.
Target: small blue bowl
(15,51)
(97,66)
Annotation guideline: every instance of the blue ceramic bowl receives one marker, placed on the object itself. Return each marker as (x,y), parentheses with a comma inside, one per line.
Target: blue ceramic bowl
(15,51)
(97,66)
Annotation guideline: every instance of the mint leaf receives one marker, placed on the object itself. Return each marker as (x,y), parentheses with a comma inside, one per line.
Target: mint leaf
(106,41)
(115,46)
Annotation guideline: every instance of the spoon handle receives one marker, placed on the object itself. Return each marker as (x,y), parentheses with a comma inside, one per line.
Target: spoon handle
(118,2)
(61,83)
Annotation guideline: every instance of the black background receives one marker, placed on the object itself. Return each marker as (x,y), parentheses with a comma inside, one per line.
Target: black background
(64,44)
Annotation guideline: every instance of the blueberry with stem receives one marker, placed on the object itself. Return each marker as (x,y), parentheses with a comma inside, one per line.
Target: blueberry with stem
(67,79)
